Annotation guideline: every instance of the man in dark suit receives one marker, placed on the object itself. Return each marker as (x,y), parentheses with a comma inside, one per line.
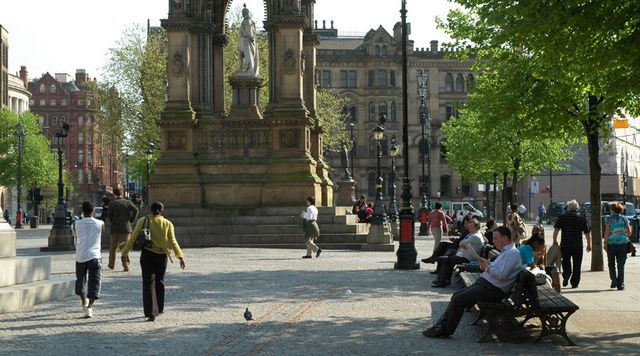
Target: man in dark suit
(121,213)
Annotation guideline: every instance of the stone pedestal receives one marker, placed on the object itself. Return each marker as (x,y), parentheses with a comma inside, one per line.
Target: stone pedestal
(379,239)
(7,240)
(346,192)
(60,239)
(245,97)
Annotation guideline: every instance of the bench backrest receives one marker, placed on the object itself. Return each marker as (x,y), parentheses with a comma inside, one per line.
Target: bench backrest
(525,291)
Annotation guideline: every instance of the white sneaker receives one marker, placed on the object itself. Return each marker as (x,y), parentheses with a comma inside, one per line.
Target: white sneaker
(88,313)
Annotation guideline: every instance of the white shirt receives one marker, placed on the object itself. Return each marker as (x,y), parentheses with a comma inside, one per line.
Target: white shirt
(88,231)
(503,271)
(474,241)
(312,213)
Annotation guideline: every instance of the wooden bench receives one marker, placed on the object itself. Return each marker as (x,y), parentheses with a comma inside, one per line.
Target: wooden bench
(527,300)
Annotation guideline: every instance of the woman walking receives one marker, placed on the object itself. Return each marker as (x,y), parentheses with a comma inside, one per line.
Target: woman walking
(153,259)
(616,238)
(311,229)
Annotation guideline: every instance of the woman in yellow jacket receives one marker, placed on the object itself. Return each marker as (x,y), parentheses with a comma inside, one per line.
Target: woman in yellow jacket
(153,259)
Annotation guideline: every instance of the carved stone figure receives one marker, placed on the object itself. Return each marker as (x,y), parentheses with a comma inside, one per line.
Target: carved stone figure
(344,159)
(249,64)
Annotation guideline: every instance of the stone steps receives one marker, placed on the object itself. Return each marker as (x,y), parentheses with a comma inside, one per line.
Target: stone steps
(265,211)
(202,240)
(20,296)
(258,220)
(20,270)
(217,230)
(302,247)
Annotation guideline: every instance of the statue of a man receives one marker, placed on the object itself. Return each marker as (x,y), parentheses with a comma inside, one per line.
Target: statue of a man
(344,159)
(248,45)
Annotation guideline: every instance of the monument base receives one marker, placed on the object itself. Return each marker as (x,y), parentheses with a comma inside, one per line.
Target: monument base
(346,192)
(379,238)
(60,239)
(245,97)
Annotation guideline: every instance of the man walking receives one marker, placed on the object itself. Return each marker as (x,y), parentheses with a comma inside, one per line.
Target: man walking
(492,286)
(572,226)
(542,211)
(437,224)
(121,213)
(88,231)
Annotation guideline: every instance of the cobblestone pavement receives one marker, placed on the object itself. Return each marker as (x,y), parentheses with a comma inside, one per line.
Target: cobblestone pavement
(344,302)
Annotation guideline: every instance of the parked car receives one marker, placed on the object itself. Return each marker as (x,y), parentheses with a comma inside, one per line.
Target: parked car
(554,211)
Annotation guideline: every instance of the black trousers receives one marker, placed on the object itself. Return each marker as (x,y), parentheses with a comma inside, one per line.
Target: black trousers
(445,269)
(571,254)
(88,278)
(481,291)
(154,267)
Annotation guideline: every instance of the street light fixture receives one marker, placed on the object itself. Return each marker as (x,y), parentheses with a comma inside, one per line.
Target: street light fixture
(425,121)
(379,216)
(20,136)
(393,204)
(148,154)
(60,220)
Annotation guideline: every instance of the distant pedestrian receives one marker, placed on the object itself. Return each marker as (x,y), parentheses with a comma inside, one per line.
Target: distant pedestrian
(542,211)
(616,237)
(153,260)
(121,213)
(88,265)
(516,224)
(437,224)
(311,229)
(7,216)
(522,211)
(572,226)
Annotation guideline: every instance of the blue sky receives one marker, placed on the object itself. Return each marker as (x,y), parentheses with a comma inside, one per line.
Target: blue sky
(63,35)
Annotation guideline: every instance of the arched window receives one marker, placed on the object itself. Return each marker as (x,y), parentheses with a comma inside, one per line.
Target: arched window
(445,186)
(448,111)
(382,108)
(376,51)
(372,111)
(393,112)
(384,50)
(471,82)
(53,89)
(353,112)
(448,83)
(460,83)
(42,88)
(80,121)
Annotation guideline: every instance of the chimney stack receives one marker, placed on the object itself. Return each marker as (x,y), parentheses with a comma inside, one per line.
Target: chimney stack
(434,46)
(24,75)
(81,76)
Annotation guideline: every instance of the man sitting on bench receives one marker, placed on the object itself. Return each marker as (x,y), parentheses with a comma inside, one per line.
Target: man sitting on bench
(492,286)
(474,241)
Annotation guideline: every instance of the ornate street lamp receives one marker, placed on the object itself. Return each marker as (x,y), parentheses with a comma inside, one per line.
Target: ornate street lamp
(148,154)
(425,121)
(60,219)
(379,217)
(393,204)
(406,254)
(20,137)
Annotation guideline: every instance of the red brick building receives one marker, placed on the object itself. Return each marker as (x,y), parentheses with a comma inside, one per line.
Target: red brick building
(93,166)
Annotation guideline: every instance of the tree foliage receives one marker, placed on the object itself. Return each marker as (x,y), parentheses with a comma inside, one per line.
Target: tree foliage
(39,164)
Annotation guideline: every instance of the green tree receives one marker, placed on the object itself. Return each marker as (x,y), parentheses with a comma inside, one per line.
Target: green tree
(38,163)
(585,52)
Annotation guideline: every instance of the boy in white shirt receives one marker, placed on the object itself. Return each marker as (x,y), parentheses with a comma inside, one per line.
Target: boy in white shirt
(88,265)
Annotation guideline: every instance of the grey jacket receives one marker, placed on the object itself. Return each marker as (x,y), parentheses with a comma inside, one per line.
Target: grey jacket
(121,213)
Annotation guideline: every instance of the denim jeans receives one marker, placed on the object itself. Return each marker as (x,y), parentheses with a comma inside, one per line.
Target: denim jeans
(88,278)
(617,253)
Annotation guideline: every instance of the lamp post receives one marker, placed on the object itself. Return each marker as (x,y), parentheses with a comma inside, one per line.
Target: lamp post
(393,203)
(148,154)
(426,205)
(406,254)
(20,137)
(60,219)
(378,217)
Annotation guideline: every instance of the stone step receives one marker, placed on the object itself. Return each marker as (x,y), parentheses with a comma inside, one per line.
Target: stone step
(204,240)
(265,211)
(19,270)
(302,247)
(268,229)
(14,298)
(258,220)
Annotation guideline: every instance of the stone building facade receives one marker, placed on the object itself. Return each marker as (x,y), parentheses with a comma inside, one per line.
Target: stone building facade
(367,70)
(91,164)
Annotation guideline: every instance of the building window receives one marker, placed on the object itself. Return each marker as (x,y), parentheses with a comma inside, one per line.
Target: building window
(459,83)
(382,78)
(372,112)
(80,102)
(393,112)
(43,121)
(445,186)
(42,88)
(448,83)
(80,156)
(466,188)
(80,121)
(471,82)
(384,50)
(448,111)
(376,51)
(80,176)
(353,79)
(350,111)
(344,79)
(63,102)
(53,89)
(54,121)
(53,102)
(43,102)
(31,102)
(61,120)
(443,150)
(80,137)
(90,157)
(89,177)
(372,78)
(382,108)
(326,78)
(392,78)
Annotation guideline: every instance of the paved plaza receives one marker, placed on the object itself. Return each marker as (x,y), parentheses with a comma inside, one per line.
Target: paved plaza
(344,302)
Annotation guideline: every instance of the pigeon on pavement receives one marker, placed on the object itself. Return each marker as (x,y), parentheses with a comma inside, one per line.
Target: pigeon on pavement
(247,315)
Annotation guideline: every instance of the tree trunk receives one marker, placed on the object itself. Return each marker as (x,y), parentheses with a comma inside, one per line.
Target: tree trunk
(505,198)
(592,130)
(514,181)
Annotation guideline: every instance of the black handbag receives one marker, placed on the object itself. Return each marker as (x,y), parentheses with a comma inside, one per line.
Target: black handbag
(144,238)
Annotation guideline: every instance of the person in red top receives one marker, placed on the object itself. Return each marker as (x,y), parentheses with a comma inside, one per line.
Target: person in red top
(437,224)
